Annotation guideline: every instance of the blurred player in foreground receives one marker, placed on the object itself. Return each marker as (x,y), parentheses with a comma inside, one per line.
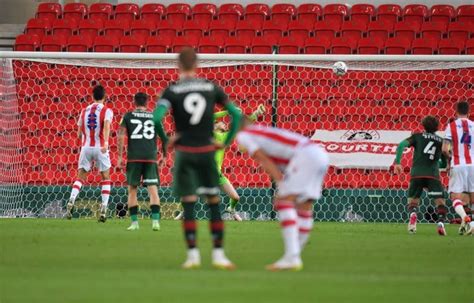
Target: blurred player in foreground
(459,146)
(139,128)
(220,135)
(424,171)
(94,130)
(298,166)
(193,101)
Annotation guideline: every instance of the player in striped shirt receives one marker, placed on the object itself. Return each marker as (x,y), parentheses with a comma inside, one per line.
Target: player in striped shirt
(298,166)
(459,146)
(94,130)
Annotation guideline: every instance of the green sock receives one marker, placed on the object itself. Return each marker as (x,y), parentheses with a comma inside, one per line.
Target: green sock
(155,212)
(133,213)
(233,203)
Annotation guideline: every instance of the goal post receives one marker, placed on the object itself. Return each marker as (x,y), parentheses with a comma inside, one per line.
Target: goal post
(359,117)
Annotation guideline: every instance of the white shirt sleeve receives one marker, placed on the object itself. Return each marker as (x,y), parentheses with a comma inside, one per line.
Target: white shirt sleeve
(245,140)
(447,133)
(109,115)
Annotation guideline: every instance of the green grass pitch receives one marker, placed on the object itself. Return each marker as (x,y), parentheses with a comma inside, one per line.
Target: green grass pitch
(45,260)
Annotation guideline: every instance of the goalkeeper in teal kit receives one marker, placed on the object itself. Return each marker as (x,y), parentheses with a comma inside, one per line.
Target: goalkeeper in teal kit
(220,135)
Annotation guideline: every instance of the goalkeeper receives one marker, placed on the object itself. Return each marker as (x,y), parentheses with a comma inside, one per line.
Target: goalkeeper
(220,135)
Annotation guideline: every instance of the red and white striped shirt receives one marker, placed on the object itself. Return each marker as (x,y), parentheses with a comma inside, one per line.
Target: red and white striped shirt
(278,144)
(92,123)
(461,134)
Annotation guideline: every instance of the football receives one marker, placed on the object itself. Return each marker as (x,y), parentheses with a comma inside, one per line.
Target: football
(339,68)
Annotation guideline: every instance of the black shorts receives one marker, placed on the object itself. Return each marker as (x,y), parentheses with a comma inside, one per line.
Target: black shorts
(146,172)
(434,187)
(195,173)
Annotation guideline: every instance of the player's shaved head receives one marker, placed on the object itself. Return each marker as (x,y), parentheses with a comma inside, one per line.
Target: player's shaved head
(141,99)
(98,93)
(430,123)
(187,59)
(462,108)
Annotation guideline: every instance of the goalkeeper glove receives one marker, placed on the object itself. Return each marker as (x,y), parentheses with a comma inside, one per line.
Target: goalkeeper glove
(259,111)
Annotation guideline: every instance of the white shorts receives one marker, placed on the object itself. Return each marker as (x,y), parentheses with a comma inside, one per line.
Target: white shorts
(304,175)
(92,155)
(461,179)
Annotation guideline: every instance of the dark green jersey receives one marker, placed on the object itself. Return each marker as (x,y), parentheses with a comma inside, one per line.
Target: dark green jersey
(426,154)
(141,135)
(192,101)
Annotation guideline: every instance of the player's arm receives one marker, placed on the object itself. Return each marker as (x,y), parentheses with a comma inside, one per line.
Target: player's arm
(258,112)
(106,131)
(159,113)
(163,137)
(121,141)
(79,126)
(446,148)
(398,169)
(221,114)
(268,165)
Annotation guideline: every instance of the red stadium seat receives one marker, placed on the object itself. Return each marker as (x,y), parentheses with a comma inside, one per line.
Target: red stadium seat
(182,41)
(326,29)
(195,27)
(264,44)
(55,43)
(102,11)
(316,45)
(49,11)
(343,45)
(127,11)
(169,28)
(132,44)
(353,29)
(460,30)
(211,45)
(335,13)
(107,44)
(291,45)
(158,44)
(397,46)
(370,46)
(65,27)
(283,12)
(178,12)
(442,13)
(230,12)
(79,43)
(451,46)
(247,29)
(76,11)
(237,45)
(152,11)
(309,12)
(465,13)
(274,28)
(433,29)
(415,13)
(379,29)
(204,12)
(405,29)
(423,46)
(27,42)
(362,13)
(257,12)
(90,27)
(470,47)
(143,27)
(40,27)
(389,13)
(221,28)
(116,28)
(299,28)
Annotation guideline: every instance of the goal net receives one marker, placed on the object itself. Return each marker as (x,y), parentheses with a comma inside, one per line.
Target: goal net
(359,117)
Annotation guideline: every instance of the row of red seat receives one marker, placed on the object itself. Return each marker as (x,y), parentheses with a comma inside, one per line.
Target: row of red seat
(242,44)
(245,28)
(255,11)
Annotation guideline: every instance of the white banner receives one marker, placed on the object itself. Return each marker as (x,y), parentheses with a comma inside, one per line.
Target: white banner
(369,149)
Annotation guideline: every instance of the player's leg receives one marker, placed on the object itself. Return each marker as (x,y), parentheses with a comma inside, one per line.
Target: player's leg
(151,180)
(208,185)
(305,221)
(436,192)
(414,193)
(134,174)
(234,197)
(458,180)
(76,188)
(185,188)
(103,163)
(470,203)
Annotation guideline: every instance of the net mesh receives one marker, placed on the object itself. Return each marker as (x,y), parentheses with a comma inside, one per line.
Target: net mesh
(42,99)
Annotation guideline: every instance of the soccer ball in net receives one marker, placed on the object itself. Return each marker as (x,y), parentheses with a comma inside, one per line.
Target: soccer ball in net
(339,68)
